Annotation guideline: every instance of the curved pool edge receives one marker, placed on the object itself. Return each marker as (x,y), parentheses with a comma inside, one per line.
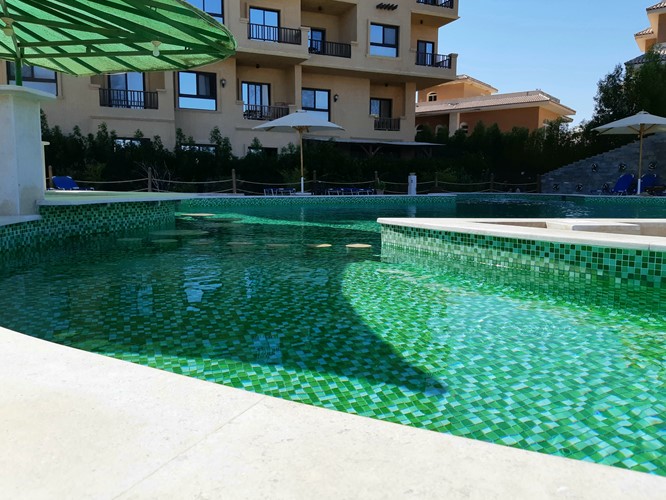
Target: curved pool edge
(88,425)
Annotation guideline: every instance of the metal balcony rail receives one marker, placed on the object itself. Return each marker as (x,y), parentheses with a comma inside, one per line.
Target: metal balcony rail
(433,60)
(133,99)
(273,34)
(259,112)
(439,3)
(390,124)
(330,48)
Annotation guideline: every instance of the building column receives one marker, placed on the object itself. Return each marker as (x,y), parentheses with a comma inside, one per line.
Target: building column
(454,123)
(23,180)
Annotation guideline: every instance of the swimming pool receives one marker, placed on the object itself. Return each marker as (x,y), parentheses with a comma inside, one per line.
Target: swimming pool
(248,298)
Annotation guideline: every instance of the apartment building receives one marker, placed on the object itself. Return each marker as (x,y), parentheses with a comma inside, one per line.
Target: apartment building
(654,36)
(357,63)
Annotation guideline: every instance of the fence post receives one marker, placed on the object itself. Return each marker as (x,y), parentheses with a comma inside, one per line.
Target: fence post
(376,177)
(233,180)
(492,183)
(314,176)
(150,179)
(51,176)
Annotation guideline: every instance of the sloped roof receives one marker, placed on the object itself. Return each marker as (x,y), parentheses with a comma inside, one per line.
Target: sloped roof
(661,50)
(484,103)
(659,5)
(646,31)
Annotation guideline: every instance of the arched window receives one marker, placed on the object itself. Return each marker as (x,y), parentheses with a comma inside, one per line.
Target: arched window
(464,127)
(438,129)
(432,96)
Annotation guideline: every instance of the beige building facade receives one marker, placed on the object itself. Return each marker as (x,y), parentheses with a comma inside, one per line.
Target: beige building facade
(654,36)
(465,102)
(357,63)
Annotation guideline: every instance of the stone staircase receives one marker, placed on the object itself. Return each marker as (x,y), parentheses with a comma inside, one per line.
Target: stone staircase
(589,175)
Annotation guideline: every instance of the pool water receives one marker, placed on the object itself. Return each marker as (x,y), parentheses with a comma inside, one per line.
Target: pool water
(249,298)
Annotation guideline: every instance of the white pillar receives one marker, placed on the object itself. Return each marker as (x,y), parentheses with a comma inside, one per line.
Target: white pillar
(411,184)
(22,176)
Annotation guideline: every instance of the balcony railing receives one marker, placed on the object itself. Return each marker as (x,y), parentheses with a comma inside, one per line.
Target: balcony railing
(433,60)
(330,48)
(439,3)
(273,34)
(259,112)
(390,124)
(133,99)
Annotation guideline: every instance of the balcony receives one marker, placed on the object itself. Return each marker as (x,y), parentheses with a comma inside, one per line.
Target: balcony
(132,99)
(334,49)
(388,124)
(265,113)
(274,34)
(433,60)
(438,3)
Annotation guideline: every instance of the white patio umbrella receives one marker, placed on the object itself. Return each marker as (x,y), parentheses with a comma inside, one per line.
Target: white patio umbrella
(300,121)
(641,123)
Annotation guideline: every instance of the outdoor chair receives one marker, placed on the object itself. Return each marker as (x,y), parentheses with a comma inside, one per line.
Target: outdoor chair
(66,183)
(624,184)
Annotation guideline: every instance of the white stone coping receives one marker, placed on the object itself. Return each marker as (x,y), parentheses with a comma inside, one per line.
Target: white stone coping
(85,197)
(6,220)
(79,425)
(637,234)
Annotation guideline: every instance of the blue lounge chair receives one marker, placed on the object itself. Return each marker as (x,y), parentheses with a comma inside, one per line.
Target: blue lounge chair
(648,181)
(66,183)
(624,184)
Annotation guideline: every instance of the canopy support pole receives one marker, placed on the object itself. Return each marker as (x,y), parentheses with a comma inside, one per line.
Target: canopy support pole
(640,159)
(300,140)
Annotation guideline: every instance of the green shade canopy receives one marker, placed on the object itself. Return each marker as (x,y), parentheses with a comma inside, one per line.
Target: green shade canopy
(83,37)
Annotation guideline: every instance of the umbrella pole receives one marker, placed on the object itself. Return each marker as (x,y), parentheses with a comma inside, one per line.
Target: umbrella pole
(300,139)
(18,71)
(640,161)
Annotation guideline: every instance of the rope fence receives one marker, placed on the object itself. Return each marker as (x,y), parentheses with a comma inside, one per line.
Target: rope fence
(236,185)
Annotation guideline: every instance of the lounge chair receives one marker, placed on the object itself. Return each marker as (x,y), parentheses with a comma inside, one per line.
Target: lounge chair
(648,181)
(624,184)
(66,183)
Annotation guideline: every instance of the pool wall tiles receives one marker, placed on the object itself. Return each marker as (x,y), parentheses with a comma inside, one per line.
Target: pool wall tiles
(64,221)
(249,201)
(634,268)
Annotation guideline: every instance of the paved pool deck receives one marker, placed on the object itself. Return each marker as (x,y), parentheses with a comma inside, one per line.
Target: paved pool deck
(79,425)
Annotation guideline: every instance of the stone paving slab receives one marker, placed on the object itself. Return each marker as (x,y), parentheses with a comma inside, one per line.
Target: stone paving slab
(78,425)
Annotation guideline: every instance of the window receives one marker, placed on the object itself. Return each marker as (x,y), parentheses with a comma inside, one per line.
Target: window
(317,101)
(432,96)
(381,108)
(316,39)
(35,77)
(264,24)
(256,100)
(383,40)
(464,127)
(126,90)
(197,90)
(213,7)
(425,52)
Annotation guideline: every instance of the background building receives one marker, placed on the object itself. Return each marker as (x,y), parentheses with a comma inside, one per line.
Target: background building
(466,101)
(654,37)
(357,63)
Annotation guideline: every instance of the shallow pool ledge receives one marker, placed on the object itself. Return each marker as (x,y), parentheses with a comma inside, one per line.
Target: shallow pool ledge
(80,425)
(636,234)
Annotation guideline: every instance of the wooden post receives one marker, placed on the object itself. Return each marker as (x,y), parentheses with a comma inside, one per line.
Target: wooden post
(51,176)
(233,180)
(150,179)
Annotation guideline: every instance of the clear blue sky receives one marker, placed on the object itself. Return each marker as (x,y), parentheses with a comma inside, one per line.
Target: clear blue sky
(563,48)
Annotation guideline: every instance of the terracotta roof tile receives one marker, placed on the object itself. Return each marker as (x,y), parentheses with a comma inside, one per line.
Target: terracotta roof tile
(660,5)
(481,102)
(646,31)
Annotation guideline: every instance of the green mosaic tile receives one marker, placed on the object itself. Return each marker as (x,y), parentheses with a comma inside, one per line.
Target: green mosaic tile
(552,348)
